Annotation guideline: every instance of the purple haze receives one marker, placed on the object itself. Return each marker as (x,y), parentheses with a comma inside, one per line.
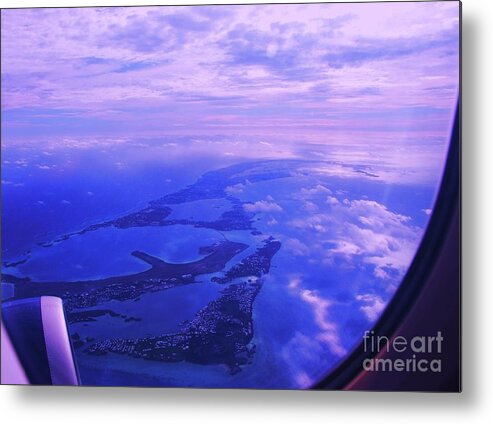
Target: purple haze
(322,70)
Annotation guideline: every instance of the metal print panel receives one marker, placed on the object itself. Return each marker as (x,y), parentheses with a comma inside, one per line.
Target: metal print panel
(238,196)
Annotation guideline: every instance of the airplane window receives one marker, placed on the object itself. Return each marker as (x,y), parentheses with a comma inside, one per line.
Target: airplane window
(229,206)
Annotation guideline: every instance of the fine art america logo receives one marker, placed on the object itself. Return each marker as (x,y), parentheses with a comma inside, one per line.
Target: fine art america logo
(418,354)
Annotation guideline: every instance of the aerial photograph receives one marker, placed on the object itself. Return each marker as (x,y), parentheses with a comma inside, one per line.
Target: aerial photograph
(222,196)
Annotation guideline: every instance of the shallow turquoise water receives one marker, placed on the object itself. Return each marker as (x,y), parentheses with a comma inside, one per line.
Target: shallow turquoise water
(107,252)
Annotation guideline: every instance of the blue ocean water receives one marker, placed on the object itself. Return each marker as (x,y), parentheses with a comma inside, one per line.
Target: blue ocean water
(321,293)
(52,192)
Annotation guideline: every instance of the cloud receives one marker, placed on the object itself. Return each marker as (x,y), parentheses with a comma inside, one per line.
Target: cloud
(310,207)
(11,183)
(259,68)
(300,353)
(318,189)
(262,206)
(346,249)
(331,200)
(235,189)
(367,50)
(374,214)
(315,222)
(143,34)
(378,236)
(21,162)
(320,308)
(279,50)
(365,232)
(381,273)
(310,349)
(296,247)
(294,283)
(184,21)
(303,379)
(373,306)
(135,66)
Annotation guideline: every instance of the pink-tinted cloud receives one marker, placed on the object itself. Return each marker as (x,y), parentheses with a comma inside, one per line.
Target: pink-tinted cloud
(370,234)
(372,305)
(295,69)
(265,206)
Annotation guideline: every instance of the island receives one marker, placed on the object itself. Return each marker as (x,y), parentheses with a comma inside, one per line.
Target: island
(160,276)
(219,333)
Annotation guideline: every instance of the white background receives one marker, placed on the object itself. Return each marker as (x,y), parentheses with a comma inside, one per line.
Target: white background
(475,404)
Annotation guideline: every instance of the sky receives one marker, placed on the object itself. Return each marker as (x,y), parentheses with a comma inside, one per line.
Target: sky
(321,70)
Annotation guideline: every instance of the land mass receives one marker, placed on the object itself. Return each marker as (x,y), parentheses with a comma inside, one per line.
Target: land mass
(212,185)
(220,333)
(160,276)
